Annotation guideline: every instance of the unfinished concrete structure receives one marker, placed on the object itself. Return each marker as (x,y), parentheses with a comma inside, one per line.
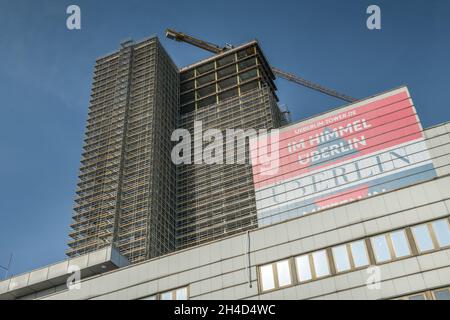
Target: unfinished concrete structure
(233,89)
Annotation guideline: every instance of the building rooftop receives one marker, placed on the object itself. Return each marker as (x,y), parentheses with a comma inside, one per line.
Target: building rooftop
(55,275)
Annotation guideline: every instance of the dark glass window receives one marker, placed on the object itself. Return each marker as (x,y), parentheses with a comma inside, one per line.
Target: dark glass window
(249,86)
(228,94)
(229,82)
(205,68)
(205,79)
(205,91)
(188,97)
(187,86)
(207,101)
(248,75)
(247,63)
(222,73)
(187,75)
(443,294)
(225,60)
(246,52)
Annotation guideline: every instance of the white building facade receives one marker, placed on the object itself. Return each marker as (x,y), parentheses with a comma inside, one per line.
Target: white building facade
(392,245)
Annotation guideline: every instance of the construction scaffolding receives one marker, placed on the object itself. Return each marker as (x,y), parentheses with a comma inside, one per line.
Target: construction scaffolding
(130,194)
(126,188)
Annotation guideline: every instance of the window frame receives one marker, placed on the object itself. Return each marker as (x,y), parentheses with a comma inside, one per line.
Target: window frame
(312,267)
(329,263)
(434,234)
(276,281)
(369,251)
(433,294)
(428,294)
(297,268)
(348,248)
(390,246)
(372,247)
(173,293)
(434,239)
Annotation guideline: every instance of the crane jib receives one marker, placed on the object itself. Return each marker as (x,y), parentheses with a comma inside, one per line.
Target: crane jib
(181,37)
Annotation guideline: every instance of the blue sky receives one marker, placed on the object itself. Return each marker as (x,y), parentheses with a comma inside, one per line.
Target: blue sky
(46,70)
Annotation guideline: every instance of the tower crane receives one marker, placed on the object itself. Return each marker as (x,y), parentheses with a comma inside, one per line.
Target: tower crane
(182,37)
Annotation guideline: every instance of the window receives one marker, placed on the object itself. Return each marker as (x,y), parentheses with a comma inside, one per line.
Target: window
(186,75)
(187,86)
(225,60)
(188,97)
(353,255)
(205,68)
(166,296)
(423,238)
(176,294)
(350,256)
(207,102)
(320,260)
(229,82)
(303,268)
(441,230)
(181,294)
(247,64)
(284,273)
(205,91)
(222,73)
(267,280)
(442,294)
(187,108)
(437,294)
(400,244)
(390,246)
(249,86)
(420,296)
(248,75)
(341,259)
(228,94)
(275,275)
(205,79)
(246,52)
(359,254)
(381,249)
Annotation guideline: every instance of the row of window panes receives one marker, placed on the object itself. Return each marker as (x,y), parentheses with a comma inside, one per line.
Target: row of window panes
(351,256)
(437,294)
(244,88)
(220,63)
(222,96)
(223,84)
(176,294)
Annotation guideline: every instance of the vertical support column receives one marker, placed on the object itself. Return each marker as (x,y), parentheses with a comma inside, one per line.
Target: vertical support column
(126,55)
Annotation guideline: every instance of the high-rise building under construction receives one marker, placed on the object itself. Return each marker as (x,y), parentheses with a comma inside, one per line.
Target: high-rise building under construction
(127,182)
(358,191)
(233,89)
(130,194)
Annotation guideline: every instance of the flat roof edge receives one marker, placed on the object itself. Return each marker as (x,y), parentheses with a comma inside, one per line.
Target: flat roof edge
(88,265)
(215,56)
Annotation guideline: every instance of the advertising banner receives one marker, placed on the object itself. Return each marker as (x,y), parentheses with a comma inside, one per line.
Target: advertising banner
(366,148)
